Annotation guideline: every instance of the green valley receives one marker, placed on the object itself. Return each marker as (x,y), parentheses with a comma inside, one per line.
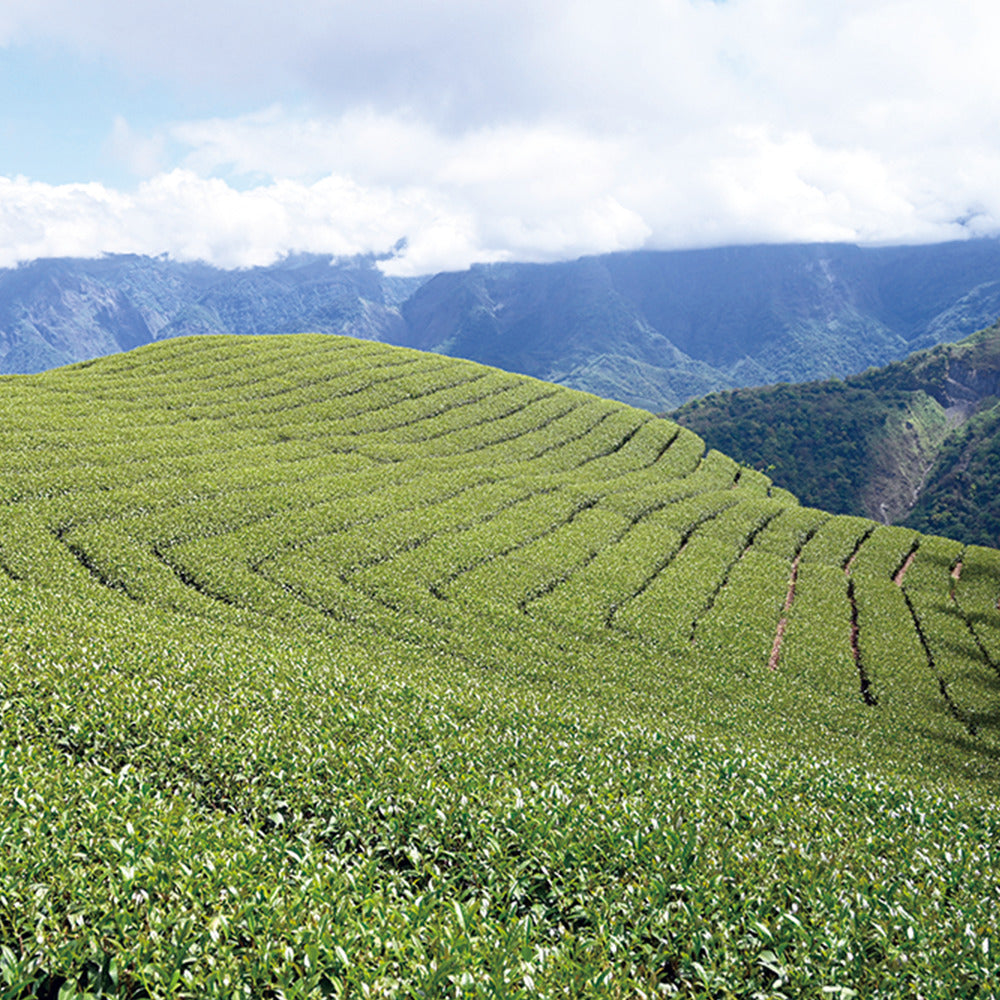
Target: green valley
(336,669)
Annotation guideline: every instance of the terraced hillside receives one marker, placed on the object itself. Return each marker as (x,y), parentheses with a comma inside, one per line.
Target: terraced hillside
(334,669)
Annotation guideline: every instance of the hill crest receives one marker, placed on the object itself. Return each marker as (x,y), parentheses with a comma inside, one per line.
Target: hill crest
(333,668)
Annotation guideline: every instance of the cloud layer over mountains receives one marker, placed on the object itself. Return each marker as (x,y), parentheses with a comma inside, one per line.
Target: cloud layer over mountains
(515,130)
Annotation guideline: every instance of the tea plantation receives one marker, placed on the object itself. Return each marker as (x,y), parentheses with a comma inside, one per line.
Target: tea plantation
(331,669)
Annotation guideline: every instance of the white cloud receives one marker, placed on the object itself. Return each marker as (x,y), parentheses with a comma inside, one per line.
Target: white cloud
(672,63)
(510,129)
(195,218)
(515,193)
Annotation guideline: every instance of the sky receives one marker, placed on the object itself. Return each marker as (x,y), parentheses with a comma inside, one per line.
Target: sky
(238,131)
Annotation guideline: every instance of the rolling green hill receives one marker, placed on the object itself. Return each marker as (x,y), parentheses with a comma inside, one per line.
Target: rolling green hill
(329,668)
(915,443)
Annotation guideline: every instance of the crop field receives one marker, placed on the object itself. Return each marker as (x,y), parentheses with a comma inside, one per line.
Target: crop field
(331,669)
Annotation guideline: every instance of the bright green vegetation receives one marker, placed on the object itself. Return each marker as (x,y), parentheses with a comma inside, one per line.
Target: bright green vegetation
(335,669)
(961,496)
(916,442)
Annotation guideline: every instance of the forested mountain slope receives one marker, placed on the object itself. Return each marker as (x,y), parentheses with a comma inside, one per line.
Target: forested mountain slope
(653,329)
(916,442)
(657,328)
(329,668)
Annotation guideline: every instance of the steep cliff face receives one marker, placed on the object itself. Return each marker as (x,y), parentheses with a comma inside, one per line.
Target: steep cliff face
(965,385)
(900,457)
(960,495)
(907,458)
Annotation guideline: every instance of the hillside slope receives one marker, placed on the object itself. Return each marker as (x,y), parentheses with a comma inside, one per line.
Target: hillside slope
(914,443)
(329,668)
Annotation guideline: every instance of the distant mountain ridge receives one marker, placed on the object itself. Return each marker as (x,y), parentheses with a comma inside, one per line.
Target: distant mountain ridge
(650,328)
(916,442)
(54,312)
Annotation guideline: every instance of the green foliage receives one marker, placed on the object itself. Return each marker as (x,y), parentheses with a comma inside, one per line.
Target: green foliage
(962,495)
(884,443)
(334,669)
(814,438)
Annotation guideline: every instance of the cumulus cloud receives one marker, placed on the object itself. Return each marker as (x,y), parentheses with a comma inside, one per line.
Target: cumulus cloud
(197,218)
(498,194)
(515,130)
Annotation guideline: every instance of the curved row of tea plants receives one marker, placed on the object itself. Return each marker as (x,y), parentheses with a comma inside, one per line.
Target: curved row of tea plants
(333,669)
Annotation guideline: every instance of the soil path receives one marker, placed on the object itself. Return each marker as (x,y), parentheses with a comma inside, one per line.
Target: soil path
(901,572)
(772,662)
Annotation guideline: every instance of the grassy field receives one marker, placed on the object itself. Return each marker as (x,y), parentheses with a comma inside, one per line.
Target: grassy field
(330,669)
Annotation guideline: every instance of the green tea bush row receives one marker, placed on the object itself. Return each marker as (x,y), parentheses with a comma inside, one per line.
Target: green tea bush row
(978,595)
(329,669)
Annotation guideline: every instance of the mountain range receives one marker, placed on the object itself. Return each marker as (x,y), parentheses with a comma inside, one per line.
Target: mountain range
(54,312)
(650,328)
